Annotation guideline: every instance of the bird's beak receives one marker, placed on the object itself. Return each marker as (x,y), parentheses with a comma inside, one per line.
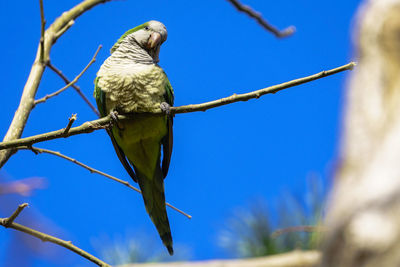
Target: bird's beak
(154,40)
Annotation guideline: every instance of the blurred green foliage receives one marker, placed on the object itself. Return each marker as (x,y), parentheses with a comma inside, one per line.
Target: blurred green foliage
(136,248)
(294,224)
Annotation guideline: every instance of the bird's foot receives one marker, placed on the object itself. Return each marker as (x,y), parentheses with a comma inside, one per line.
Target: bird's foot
(166,108)
(114,119)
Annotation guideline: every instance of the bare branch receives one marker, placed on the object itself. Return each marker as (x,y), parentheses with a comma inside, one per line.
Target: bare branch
(257,16)
(64,29)
(93,170)
(256,94)
(42,31)
(71,120)
(60,25)
(104,122)
(77,89)
(86,127)
(43,99)
(8,223)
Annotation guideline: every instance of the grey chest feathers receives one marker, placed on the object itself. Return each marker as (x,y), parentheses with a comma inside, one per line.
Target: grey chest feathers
(133,88)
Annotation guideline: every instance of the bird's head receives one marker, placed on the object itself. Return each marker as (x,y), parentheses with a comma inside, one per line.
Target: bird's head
(149,36)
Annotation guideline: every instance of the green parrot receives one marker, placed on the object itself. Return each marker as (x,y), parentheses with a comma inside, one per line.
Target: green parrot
(131,81)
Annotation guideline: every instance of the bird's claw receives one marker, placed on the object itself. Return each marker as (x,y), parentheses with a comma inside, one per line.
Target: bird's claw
(114,116)
(114,119)
(166,108)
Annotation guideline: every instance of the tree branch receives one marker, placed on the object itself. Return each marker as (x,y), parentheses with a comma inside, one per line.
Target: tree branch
(64,29)
(257,16)
(59,26)
(295,258)
(42,30)
(86,127)
(93,170)
(71,120)
(43,99)
(77,89)
(257,94)
(105,122)
(9,223)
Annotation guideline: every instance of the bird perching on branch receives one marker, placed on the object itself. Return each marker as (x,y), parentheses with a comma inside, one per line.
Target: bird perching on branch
(131,82)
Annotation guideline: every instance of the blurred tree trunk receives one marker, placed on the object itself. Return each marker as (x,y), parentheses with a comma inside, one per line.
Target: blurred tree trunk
(289,259)
(364,215)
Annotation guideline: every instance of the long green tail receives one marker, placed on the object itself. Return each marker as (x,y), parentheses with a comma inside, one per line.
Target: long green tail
(154,201)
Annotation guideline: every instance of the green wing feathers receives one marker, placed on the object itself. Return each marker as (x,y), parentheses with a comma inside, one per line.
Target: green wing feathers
(100,97)
(101,106)
(168,141)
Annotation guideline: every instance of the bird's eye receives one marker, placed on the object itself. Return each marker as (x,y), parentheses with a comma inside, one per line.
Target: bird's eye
(146,28)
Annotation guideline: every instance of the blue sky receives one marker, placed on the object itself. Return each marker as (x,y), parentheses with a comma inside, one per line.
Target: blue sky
(223,158)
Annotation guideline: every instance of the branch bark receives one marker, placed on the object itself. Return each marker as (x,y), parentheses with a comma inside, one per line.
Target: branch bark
(105,122)
(26,104)
(86,127)
(9,223)
(266,25)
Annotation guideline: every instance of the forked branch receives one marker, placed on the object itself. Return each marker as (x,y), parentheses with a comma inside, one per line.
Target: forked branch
(9,223)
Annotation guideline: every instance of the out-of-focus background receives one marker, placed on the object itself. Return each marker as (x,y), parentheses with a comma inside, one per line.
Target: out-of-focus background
(261,165)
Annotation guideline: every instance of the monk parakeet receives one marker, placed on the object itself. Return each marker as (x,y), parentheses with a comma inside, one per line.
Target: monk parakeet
(130,81)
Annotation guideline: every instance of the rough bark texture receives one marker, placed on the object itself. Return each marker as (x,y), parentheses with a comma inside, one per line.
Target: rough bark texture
(364,215)
(290,259)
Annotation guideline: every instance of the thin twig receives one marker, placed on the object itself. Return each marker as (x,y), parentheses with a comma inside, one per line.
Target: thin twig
(301,228)
(104,122)
(42,30)
(71,120)
(93,170)
(257,94)
(43,99)
(77,89)
(53,32)
(8,223)
(258,17)
(64,29)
